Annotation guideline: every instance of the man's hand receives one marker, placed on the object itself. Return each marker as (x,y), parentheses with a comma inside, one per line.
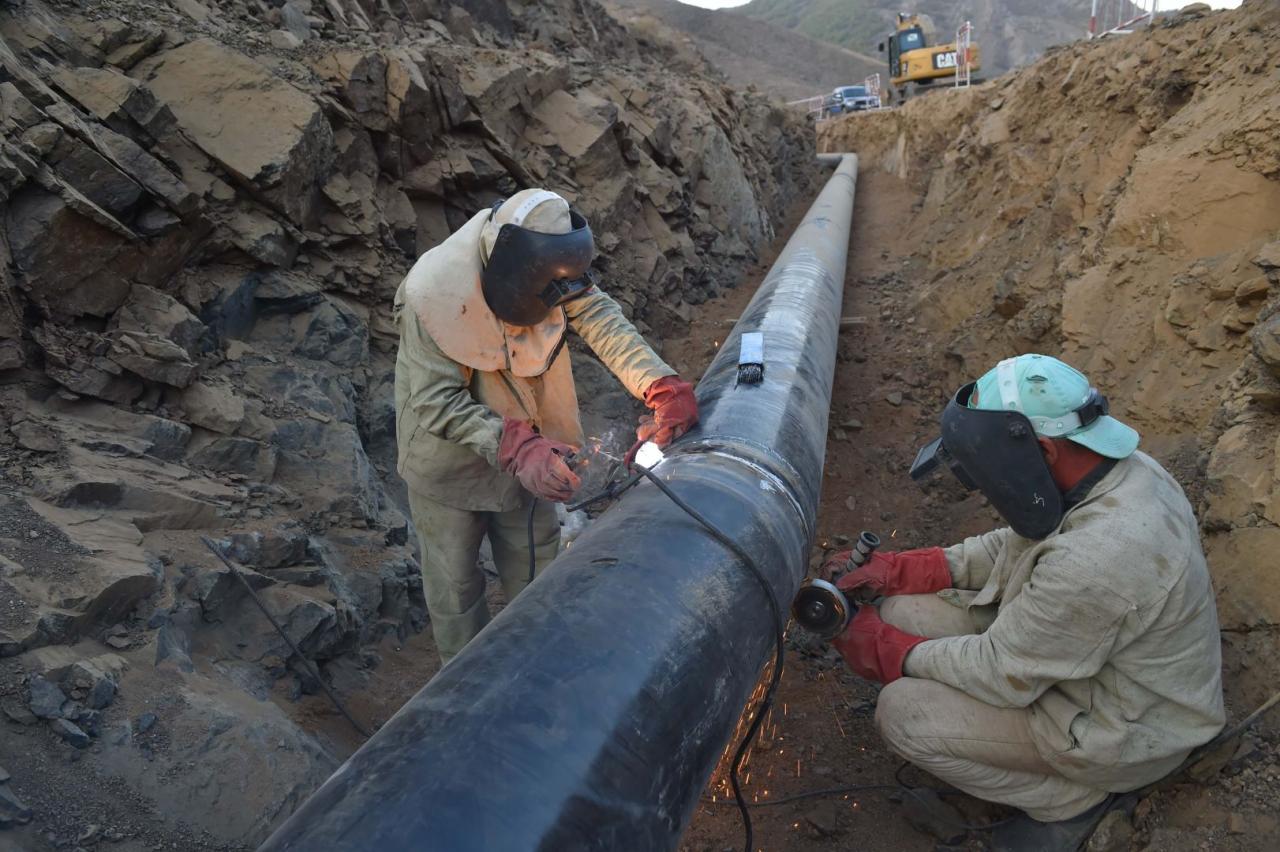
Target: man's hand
(910,572)
(675,411)
(536,461)
(875,650)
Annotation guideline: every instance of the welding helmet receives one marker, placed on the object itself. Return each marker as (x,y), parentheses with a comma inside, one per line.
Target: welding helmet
(537,253)
(989,431)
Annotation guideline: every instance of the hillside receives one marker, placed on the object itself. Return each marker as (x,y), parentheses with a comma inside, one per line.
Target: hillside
(1010,32)
(778,61)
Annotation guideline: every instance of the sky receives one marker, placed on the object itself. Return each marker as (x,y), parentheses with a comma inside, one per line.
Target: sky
(721,4)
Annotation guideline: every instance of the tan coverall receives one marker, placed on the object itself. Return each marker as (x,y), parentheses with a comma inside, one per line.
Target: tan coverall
(1064,669)
(459,370)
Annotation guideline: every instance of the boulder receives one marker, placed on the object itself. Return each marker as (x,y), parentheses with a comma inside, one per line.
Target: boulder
(150,311)
(154,358)
(94,279)
(215,407)
(46,698)
(264,131)
(70,732)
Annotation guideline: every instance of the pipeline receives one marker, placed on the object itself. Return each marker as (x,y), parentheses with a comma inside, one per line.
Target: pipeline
(590,713)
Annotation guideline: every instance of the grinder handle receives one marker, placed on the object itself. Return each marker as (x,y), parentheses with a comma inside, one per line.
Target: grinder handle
(862,549)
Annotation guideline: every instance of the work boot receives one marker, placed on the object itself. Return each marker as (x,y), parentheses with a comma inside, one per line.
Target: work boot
(1024,834)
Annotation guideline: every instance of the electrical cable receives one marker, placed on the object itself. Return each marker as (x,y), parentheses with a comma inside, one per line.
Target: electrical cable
(314,670)
(779,643)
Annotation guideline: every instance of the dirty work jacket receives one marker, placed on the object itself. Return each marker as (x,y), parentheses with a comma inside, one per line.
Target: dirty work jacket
(449,416)
(1106,630)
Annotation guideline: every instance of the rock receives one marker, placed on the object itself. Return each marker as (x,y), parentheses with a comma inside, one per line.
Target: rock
(284,40)
(1194,10)
(926,812)
(12,809)
(1265,339)
(851,503)
(4,775)
(263,130)
(1268,259)
(1113,834)
(149,311)
(1236,823)
(294,19)
(277,549)
(214,406)
(17,712)
(70,732)
(153,358)
(85,678)
(894,398)
(36,436)
(243,456)
(261,237)
(46,698)
(146,722)
(852,424)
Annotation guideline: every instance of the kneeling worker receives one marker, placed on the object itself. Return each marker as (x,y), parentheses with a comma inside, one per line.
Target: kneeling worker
(486,411)
(1072,655)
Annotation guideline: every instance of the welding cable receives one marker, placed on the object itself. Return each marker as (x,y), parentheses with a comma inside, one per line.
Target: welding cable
(313,669)
(779,642)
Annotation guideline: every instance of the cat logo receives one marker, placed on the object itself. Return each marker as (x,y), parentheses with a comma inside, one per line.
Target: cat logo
(944,60)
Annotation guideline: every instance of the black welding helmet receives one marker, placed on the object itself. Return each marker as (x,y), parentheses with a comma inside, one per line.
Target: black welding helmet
(989,431)
(539,255)
(996,452)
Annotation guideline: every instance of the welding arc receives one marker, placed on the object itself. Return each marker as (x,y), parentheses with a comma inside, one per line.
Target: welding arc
(314,670)
(779,638)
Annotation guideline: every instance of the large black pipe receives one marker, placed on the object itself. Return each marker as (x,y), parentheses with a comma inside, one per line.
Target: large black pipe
(590,713)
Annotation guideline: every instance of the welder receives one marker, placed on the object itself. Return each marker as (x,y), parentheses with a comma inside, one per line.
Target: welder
(1066,658)
(486,410)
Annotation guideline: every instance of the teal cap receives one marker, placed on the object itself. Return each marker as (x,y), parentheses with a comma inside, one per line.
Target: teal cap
(1049,393)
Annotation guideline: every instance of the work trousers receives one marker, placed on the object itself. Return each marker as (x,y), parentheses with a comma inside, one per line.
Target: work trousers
(986,751)
(451,576)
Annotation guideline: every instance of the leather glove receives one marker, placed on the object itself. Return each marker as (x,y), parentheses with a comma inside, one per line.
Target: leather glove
(910,572)
(536,461)
(875,650)
(675,411)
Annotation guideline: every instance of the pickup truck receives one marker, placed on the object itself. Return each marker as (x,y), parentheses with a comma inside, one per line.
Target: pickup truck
(849,99)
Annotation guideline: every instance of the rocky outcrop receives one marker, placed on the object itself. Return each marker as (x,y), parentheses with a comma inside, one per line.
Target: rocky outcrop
(205,209)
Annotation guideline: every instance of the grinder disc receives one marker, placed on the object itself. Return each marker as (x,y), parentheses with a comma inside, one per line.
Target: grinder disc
(821,608)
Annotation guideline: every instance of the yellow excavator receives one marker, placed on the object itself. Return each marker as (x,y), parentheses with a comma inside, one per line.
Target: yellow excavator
(915,63)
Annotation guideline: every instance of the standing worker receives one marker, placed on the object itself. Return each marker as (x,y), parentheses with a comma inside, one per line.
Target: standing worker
(486,411)
(1068,657)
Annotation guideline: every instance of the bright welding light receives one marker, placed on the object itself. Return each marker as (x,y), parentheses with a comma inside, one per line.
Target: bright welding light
(649,455)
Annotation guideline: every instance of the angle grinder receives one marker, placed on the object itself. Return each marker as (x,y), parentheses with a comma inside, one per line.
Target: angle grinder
(820,607)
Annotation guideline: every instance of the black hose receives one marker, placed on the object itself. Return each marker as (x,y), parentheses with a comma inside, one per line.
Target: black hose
(779,637)
(315,671)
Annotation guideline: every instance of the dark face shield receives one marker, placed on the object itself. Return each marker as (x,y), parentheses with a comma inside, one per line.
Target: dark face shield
(996,452)
(529,273)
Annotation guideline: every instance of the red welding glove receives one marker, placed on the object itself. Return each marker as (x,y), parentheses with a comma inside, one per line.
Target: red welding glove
(875,650)
(536,461)
(910,572)
(675,411)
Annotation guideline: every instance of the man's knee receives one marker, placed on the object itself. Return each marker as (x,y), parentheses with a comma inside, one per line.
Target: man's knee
(897,706)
